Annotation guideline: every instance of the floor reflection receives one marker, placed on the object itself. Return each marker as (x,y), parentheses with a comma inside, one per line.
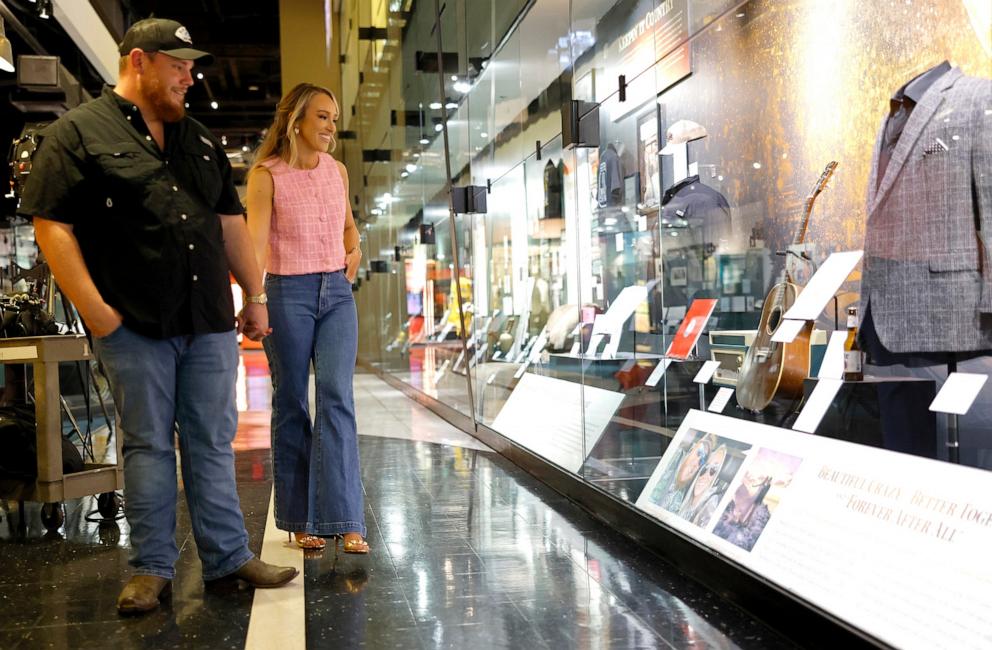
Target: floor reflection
(468,551)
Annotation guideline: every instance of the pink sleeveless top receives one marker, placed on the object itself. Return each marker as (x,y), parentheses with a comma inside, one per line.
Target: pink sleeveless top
(306,232)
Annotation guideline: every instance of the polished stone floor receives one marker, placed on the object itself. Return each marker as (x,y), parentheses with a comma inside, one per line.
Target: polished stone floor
(468,551)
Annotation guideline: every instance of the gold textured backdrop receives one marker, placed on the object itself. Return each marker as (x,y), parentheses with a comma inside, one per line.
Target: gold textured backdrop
(783,87)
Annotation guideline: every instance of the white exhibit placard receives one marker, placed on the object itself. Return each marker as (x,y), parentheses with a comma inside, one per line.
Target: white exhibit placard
(705,373)
(895,545)
(824,284)
(594,342)
(958,393)
(788,330)
(557,434)
(620,310)
(521,370)
(832,366)
(576,349)
(538,348)
(816,406)
(720,401)
(658,372)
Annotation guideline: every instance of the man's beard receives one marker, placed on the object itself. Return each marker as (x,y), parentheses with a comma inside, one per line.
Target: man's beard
(163,101)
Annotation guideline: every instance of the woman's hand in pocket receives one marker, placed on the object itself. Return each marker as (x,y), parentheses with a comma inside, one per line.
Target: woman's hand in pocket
(352,259)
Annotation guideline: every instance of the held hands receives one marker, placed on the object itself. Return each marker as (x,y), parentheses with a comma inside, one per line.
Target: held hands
(352,259)
(253,321)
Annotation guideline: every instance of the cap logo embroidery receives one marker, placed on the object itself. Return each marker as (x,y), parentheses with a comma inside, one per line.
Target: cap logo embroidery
(183,35)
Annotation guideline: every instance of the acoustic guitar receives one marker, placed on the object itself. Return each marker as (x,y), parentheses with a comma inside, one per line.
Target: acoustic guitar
(771,368)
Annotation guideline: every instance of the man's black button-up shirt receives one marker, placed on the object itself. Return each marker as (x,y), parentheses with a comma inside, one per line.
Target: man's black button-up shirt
(146,219)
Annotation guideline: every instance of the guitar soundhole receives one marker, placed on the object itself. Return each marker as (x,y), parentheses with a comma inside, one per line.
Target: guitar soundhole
(774,318)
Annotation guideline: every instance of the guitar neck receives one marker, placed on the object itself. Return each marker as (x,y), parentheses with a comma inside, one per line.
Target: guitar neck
(808,211)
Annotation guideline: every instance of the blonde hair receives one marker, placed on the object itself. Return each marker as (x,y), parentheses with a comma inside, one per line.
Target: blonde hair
(279,140)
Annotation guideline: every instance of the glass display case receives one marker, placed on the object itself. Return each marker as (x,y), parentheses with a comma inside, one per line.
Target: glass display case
(660,187)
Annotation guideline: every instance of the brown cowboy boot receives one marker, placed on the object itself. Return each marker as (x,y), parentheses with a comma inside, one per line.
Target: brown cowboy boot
(264,576)
(142,594)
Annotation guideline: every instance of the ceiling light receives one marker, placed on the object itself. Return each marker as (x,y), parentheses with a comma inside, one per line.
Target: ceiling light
(424,141)
(6,52)
(223,140)
(462,86)
(484,134)
(435,106)
(451,106)
(404,174)
(245,148)
(199,75)
(214,105)
(253,88)
(438,127)
(410,167)
(454,77)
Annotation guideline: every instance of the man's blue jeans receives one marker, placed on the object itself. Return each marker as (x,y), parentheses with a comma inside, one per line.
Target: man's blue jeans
(159,386)
(315,466)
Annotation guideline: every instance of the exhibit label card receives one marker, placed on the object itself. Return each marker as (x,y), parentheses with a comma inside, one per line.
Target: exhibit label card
(958,393)
(691,328)
(620,310)
(720,401)
(705,373)
(833,359)
(816,406)
(545,415)
(824,284)
(893,544)
(788,330)
(658,372)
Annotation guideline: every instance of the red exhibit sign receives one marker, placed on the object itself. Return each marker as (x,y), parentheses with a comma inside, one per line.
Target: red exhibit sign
(691,328)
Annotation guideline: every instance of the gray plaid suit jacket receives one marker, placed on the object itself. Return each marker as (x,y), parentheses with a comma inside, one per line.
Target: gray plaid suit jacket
(926,268)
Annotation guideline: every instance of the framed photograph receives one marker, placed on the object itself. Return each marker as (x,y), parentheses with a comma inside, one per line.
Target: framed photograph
(647,159)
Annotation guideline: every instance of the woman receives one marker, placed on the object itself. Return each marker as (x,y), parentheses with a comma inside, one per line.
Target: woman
(305,238)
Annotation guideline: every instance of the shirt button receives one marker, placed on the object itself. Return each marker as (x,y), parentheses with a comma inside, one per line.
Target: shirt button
(175,189)
(191,246)
(195,278)
(206,157)
(128,118)
(148,137)
(183,217)
(134,108)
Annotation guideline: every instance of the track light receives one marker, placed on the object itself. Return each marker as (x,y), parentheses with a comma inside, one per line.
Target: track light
(6,52)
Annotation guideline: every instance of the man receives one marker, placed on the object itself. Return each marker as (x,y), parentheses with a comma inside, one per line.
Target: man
(136,213)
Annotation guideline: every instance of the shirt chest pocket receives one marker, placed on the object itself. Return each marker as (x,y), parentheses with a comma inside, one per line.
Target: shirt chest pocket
(206,173)
(124,159)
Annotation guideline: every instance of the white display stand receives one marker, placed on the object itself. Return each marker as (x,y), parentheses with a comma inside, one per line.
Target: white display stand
(561,421)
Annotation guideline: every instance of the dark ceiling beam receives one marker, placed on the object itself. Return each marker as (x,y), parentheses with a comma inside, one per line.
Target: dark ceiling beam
(235,77)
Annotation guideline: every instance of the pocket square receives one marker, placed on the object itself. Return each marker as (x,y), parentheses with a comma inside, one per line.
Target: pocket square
(935,146)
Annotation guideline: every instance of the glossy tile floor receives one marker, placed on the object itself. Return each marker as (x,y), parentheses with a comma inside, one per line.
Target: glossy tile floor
(467,551)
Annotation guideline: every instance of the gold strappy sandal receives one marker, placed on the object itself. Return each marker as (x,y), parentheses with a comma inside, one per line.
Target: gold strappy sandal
(307,542)
(355,545)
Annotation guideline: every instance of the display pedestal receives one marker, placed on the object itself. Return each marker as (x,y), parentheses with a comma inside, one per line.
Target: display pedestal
(886,412)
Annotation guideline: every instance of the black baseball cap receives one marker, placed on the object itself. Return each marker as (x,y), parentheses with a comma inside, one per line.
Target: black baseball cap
(163,35)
